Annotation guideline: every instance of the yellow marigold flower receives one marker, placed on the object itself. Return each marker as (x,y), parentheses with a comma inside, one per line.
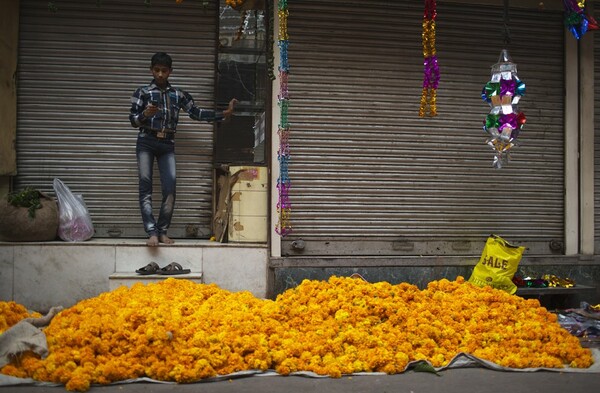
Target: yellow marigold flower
(11,313)
(180,331)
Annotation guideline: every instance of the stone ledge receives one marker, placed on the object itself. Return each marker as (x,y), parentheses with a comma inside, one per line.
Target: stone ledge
(137,243)
(44,275)
(420,261)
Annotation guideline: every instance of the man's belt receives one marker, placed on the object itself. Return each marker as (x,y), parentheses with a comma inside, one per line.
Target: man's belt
(160,134)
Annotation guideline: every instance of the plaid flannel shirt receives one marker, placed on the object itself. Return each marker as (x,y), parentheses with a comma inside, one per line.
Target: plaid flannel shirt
(170,101)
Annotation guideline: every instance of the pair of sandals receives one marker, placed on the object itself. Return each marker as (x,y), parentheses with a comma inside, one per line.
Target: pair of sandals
(171,269)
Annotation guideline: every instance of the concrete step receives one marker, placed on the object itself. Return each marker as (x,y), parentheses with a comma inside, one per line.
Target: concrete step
(127,279)
(64,273)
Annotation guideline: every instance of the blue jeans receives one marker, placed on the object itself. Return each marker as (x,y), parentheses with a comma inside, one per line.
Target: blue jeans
(148,148)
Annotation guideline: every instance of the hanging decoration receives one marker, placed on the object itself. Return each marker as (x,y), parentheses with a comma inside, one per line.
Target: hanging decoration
(577,20)
(283,227)
(503,92)
(431,71)
(504,122)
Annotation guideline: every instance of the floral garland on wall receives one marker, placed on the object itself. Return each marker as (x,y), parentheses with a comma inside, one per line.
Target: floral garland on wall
(283,226)
(431,71)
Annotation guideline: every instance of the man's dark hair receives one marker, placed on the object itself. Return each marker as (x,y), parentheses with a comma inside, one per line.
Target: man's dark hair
(161,58)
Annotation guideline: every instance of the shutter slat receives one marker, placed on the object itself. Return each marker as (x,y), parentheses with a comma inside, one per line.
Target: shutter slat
(363,164)
(77,70)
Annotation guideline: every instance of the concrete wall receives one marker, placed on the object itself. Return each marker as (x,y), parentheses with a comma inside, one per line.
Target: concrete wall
(43,275)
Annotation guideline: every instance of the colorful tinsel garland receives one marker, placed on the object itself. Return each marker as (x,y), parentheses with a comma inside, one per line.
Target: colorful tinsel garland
(577,19)
(283,154)
(431,71)
(505,121)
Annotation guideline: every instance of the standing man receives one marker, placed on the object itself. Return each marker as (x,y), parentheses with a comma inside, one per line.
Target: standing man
(155,112)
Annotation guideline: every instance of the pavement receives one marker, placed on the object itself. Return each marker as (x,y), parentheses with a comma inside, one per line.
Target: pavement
(471,379)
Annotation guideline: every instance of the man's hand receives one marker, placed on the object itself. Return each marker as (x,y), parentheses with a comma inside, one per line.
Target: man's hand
(150,110)
(229,111)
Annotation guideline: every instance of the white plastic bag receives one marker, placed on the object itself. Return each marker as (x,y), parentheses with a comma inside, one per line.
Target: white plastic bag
(75,223)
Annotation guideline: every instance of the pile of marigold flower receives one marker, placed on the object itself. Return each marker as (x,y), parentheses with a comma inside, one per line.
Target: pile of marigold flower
(11,313)
(180,331)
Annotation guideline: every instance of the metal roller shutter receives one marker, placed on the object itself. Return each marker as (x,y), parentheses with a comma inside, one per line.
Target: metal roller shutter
(77,70)
(369,177)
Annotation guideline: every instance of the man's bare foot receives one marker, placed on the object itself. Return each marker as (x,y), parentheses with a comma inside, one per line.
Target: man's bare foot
(165,239)
(152,241)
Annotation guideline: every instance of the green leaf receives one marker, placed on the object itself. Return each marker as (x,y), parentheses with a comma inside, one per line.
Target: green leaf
(424,367)
(29,198)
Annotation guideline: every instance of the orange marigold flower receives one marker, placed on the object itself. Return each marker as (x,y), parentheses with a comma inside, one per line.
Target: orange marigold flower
(180,331)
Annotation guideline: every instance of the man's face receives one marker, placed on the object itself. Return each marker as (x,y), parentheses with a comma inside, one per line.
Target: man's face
(161,74)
